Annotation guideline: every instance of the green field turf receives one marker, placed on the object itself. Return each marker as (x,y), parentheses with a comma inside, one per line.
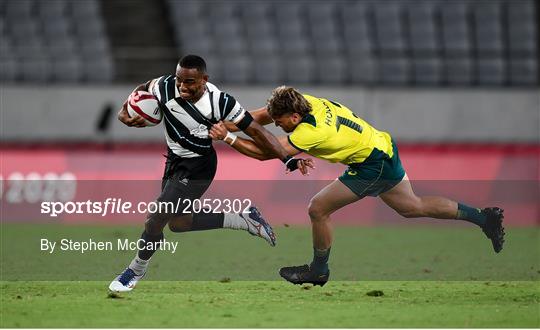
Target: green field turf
(272,304)
(440,276)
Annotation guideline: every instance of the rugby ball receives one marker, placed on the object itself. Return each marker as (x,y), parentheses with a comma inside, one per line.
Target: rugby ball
(145,105)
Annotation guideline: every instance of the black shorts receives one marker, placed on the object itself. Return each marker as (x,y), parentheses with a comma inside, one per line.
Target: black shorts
(187,178)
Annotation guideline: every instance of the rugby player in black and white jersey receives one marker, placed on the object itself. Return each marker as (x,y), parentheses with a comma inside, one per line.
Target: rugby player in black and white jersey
(191,105)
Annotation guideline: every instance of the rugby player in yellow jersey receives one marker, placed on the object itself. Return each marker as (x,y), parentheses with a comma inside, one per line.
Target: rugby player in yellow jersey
(330,131)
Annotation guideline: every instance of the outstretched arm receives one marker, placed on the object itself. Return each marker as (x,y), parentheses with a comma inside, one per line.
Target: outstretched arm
(251,148)
(260,116)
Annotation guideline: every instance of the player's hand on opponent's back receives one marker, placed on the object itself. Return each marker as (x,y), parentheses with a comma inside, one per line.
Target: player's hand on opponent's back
(136,121)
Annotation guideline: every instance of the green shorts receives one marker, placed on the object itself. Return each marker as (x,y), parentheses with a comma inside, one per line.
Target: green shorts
(376,175)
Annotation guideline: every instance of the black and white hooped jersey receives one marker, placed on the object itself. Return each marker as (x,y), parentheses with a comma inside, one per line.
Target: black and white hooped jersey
(186,123)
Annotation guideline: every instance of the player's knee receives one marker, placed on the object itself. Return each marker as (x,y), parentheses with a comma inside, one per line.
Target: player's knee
(154,223)
(315,210)
(179,225)
(175,228)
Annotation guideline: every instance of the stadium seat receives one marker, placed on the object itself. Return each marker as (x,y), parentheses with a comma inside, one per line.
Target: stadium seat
(98,70)
(201,46)
(455,28)
(458,71)
(358,31)
(522,31)
(237,70)
(215,65)
(389,29)
(332,46)
(300,69)
(362,70)
(488,28)
(268,69)
(221,11)
(523,72)
(67,69)
(60,27)
(394,42)
(85,8)
(295,46)
(51,10)
(331,70)
(358,39)
(61,47)
(491,71)
(423,32)
(191,30)
(394,71)
(427,71)
(253,12)
(264,28)
(24,28)
(186,8)
(231,46)
(29,47)
(19,8)
(36,70)
(95,47)
(264,46)
(90,27)
(228,29)
(9,69)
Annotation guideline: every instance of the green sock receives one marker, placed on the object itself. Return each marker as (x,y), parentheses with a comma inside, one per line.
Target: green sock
(320,260)
(470,214)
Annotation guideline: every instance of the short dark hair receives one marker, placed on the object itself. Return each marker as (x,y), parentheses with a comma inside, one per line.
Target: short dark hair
(285,100)
(193,62)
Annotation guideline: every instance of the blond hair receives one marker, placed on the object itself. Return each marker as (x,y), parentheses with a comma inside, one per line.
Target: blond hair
(285,100)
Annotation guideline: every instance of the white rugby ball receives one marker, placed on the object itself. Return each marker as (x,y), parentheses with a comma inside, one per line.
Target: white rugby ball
(145,105)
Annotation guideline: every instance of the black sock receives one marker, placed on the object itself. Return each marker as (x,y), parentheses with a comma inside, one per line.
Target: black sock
(470,214)
(207,221)
(320,260)
(147,253)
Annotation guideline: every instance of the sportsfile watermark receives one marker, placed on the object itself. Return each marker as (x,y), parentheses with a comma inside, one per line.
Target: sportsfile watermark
(68,244)
(372,241)
(111,206)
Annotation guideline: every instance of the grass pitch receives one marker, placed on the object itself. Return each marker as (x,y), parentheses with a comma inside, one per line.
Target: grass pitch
(428,277)
(272,304)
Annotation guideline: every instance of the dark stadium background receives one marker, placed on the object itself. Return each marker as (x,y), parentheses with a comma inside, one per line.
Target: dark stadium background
(455,82)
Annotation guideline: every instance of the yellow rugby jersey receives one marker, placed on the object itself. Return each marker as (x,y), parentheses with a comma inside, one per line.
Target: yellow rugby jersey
(333,132)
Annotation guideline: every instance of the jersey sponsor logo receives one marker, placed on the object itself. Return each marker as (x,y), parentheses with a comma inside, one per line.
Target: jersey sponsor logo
(352,173)
(184,181)
(201,131)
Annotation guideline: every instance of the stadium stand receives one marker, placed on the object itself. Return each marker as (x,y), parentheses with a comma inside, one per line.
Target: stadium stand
(423,42)
(54,41)
(364,42)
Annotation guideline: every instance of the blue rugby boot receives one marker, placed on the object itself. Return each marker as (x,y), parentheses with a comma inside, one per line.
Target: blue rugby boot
(257,226)
(126,281)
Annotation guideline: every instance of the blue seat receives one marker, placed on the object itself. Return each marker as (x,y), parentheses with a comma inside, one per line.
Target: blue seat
(458,71)
(491,71)
(523,71)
